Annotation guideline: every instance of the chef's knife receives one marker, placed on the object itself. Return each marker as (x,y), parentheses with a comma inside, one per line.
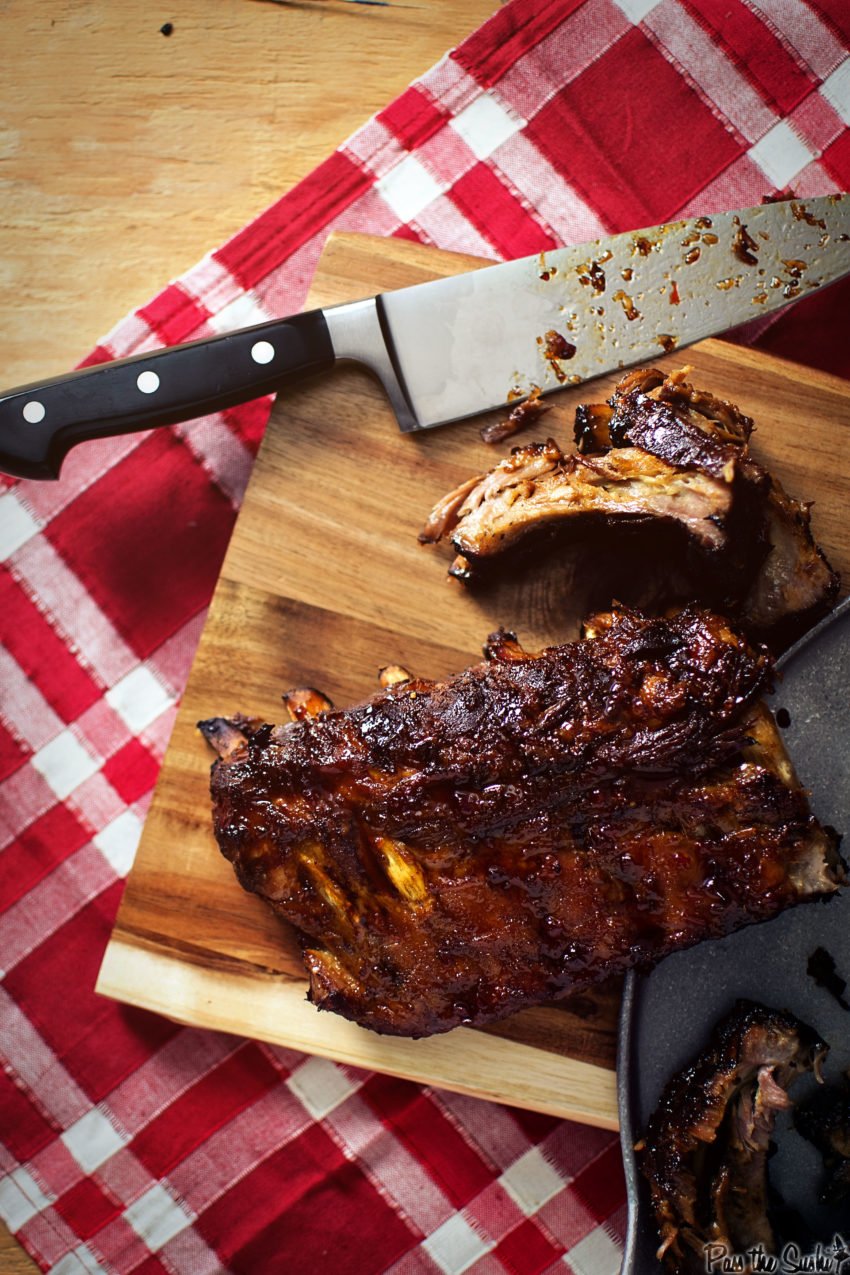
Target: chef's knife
(454,347)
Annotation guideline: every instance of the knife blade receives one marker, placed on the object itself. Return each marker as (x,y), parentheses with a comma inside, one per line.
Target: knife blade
(458,346)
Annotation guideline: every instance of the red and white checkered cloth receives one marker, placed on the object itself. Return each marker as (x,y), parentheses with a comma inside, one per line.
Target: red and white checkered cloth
(130,1144)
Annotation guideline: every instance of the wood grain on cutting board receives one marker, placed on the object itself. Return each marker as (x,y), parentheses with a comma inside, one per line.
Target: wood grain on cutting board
(324,582)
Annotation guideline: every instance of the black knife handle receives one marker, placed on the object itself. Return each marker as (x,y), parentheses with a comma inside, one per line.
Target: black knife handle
(39,423)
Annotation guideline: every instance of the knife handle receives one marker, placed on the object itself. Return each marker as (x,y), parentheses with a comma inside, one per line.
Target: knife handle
(39,423)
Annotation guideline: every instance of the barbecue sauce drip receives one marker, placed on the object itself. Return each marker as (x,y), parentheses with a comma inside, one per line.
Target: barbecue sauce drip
(592,275)
(629,308)
(802,213)
(557,349)
(745,247)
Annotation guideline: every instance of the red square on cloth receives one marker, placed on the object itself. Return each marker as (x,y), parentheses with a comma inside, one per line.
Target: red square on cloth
(755,50)
(413,117)
(526,1250)
(43,655)
(600,1186)
(173,315)
(620,159)
(499,214)
(305,1208)
(497,46)
(98,1041)
(86,1207)
(148,573)
(132,771)
(836,13)
(12,753)
(836,159)
(26,1131)
(248,421)
(36,852)
(536,1125)
(454,1165)
(206,1106)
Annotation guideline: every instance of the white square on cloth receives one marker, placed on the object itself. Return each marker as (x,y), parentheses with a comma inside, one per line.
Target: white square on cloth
(156,1217)
(531,1181)
(484,125)
(138,698)
(20,1199)
(836,90)
(242,312)
(17,525)
(454,1246)
(408,188)
(80,1261)
(596,1254)
(119,840)
(320,1085)
(636,10)
(64,763)
(780,154)
(93,1139)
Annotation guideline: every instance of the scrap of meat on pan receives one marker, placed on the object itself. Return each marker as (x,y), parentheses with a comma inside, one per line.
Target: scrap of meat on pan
(825,1121)
(707,1145)
(453,851)
(658,455)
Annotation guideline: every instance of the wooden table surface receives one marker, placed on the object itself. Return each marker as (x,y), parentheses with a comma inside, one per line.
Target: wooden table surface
(126,154)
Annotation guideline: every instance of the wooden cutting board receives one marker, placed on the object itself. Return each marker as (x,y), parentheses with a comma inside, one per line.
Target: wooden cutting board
(323,583)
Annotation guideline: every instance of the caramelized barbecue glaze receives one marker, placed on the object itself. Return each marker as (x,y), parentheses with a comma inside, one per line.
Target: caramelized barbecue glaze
(664,459)
(452,851)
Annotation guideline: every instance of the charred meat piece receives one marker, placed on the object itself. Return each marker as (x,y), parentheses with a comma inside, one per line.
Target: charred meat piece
(720,418)
(825,1122)
(453,851)
(658,454)
(707,1144)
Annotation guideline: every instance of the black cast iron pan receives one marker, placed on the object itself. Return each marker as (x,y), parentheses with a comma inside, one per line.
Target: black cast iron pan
(667,1016)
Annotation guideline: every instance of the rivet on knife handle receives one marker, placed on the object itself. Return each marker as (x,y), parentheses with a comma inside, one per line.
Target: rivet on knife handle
(39,423)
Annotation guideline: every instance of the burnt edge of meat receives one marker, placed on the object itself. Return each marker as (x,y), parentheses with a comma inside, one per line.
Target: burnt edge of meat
(696,429)
(453,851)
(707,1144)
(524,414)
(228,735)
(825,1122)
(601,426)
(738,541)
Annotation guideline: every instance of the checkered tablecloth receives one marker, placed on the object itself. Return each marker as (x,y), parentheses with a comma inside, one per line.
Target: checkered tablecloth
(130,1144)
